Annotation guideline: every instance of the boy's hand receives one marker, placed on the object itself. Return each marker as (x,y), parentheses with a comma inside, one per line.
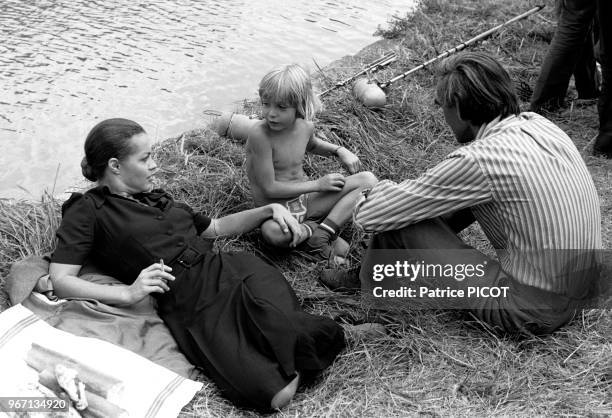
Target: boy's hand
(350,160)
(333,182)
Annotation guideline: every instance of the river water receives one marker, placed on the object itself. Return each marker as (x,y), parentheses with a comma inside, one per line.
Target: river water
(66,64)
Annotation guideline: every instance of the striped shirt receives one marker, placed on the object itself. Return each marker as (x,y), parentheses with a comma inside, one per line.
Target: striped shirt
(526,184)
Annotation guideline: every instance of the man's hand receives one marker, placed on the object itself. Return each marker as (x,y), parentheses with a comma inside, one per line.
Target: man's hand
(350,160)
(333,182)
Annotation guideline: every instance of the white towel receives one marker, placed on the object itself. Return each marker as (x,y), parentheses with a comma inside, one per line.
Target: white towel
(150,390)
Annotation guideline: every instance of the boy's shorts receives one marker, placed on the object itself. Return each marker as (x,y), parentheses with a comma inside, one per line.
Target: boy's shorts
(298,207)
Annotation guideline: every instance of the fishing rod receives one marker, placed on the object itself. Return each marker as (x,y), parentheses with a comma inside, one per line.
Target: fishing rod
(461,46)
(386,59)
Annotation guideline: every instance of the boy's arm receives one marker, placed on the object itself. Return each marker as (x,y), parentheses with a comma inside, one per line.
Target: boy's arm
(260,170)
(320,146)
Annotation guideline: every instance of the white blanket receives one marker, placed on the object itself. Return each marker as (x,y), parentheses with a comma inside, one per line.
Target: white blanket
(150,390)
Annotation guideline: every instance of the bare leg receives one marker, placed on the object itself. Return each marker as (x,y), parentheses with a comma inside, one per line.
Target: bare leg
(338,207)
(284,396)
(273,234)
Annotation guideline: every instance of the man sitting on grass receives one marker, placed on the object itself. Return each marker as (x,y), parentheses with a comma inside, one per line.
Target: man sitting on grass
(522,179)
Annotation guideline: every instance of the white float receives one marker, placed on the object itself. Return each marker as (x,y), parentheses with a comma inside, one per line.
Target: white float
(369,93)
(233,125)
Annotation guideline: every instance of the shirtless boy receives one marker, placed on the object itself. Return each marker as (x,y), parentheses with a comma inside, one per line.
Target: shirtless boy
(275,153)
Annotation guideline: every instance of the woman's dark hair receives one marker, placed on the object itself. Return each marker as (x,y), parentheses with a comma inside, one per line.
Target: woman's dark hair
(108,139)
(478,85)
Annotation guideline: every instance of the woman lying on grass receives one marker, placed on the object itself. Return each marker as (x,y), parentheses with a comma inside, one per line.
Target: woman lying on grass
(231,313)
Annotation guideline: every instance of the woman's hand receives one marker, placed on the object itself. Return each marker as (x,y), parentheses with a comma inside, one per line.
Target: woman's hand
(287,222)
(153,279)
(350,160)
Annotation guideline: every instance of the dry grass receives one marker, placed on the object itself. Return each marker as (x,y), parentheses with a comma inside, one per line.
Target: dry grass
(431,363)
(25,229)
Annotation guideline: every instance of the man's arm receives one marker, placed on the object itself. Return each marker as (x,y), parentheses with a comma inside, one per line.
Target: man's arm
(260,170)
(456,183)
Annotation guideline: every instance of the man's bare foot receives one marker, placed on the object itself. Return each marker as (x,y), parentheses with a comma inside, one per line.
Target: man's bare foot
(284,396)
(341,247)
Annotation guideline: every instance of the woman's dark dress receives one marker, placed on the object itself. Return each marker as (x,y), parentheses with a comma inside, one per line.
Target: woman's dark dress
(231,313)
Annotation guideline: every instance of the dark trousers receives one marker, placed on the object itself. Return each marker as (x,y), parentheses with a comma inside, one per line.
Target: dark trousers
(571,52)
(526,310)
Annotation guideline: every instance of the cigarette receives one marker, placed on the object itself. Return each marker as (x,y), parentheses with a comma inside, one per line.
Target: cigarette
(161,263)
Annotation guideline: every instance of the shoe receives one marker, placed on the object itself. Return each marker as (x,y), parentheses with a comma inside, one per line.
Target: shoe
(319,244)
(603,145)
(341,279)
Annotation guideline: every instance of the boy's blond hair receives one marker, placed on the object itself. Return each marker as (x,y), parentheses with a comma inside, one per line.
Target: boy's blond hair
(291,84)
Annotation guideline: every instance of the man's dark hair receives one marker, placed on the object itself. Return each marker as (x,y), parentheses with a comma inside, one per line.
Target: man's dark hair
(478,85)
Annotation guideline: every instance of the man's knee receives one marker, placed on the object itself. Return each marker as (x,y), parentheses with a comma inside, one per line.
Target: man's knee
(459,220)
(274,235)
(432,234)
(361,180)
(524,310)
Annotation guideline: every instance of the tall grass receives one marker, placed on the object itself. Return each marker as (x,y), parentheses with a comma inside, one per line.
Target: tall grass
(26,228)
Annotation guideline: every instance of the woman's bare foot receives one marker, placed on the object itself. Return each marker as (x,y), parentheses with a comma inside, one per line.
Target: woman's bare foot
(284,396)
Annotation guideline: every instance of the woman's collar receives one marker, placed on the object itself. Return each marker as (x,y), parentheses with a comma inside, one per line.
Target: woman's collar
(155,198)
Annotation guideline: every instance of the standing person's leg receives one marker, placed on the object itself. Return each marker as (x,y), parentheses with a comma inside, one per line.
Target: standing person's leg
(575,19)
(585,73)
(603,143)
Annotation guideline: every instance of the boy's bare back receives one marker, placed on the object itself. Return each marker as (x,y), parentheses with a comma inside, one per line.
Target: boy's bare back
(275,159)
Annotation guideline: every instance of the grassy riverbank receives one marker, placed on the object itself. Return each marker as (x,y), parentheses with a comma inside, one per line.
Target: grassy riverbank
(430,362)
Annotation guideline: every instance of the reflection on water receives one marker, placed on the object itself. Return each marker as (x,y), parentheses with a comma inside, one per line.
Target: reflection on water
(65,64)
